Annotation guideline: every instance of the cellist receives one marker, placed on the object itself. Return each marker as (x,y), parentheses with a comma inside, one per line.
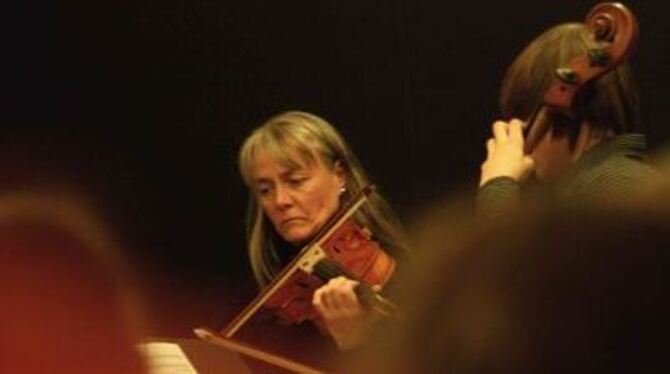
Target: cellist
(570,116)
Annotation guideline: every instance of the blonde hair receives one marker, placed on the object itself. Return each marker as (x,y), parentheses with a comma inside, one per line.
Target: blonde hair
(611,102)
(299,134)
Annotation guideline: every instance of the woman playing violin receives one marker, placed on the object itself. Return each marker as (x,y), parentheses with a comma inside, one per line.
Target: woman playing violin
(300,171)
(593,150)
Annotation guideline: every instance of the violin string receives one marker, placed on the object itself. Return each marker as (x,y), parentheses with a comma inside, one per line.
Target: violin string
(328,269)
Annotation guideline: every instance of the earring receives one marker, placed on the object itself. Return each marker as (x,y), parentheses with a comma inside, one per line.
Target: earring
(343,189)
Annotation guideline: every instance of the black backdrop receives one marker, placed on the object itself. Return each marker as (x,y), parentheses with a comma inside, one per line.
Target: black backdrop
(144,103)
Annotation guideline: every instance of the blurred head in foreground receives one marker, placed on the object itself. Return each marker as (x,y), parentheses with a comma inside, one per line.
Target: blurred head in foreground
(66,304)
(559,289)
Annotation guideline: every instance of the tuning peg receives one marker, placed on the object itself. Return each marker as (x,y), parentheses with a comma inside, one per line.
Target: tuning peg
(567,75)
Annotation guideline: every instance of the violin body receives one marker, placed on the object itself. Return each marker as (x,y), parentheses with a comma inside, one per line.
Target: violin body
(356,255)
(353,247)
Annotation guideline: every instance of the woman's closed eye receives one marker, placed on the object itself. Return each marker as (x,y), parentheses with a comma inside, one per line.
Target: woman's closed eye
(297,179)
(297,182)
(263,190)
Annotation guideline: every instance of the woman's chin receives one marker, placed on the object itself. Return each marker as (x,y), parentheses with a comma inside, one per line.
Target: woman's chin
(297,236)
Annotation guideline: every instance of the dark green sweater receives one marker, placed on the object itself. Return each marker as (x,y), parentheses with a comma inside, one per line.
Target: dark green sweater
(612,170)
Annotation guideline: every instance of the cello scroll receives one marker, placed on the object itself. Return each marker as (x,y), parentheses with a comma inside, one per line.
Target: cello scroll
(613,29)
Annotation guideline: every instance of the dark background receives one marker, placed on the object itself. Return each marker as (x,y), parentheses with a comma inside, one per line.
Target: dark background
(144,104)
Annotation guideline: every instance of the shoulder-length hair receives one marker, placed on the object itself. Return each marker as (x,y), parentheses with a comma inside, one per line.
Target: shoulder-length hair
(296,136)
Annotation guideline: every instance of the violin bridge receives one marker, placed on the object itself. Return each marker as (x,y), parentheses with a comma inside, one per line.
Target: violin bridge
(311,258)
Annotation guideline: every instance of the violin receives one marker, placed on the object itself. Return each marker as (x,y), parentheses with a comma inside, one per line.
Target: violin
(341,248)
(350,252)
(614,28)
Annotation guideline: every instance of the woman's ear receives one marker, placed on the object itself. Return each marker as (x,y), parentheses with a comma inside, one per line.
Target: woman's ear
(341,173)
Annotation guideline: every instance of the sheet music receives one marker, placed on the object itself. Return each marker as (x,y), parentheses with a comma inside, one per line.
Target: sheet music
(166,358)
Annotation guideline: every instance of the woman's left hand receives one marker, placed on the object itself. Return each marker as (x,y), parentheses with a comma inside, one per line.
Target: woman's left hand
(505,156)
(343,315)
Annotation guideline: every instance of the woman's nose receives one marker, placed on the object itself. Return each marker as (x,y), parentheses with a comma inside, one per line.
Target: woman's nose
(283,197)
